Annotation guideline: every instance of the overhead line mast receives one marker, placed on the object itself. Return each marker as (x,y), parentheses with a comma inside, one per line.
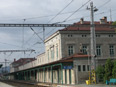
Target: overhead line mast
(53,25)
(92,78)
(4,51)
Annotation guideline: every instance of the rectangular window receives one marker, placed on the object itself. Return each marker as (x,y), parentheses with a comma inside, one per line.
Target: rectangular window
(110,35)
(48,55)
(98,50)
(65,76)
(79,67)
(84,35)
(88,67)
(54,74)
(111,48)
(97,35)
(70,76)
(49,74)
(52,53)
(56,51)
(70,49)
(84,49)
(84,68)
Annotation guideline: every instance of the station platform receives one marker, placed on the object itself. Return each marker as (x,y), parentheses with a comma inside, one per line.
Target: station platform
(36,84)
(5,85)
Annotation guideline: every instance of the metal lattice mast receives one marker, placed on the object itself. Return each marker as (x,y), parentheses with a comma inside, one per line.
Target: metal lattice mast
(93,37)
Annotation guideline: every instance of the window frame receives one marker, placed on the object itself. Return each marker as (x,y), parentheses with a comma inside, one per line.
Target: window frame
(70,49)
(98,50)
(79,69)
(84,49)
(111,50)
(84,68)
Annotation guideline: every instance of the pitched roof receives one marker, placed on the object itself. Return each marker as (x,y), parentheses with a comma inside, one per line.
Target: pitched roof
(77,55)
(86,26)
(22,61)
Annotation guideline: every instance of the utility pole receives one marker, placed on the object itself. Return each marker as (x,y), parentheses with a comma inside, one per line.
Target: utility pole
(92,35)
(92,77)
(5,65)
(93,38)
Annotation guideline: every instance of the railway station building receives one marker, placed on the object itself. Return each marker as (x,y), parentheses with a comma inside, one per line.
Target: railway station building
(67,58)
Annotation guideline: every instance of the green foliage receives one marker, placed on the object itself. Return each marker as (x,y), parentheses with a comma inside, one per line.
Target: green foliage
(100,72)
(108,69)
(114,70)
(114,23)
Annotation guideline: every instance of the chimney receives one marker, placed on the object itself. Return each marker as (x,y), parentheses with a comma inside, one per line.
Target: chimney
(82,21)
(14,59)
(103,20)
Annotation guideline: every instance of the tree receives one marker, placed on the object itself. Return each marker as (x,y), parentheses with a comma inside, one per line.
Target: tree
(114,70)
(108,69)
(114,23)
(100,72)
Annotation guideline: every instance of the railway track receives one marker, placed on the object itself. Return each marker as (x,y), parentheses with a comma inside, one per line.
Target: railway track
(22,84)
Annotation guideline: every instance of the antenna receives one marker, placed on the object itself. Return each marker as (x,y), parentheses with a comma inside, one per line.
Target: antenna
(110,14)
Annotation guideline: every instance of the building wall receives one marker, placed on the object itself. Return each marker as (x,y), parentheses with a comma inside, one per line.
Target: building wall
(39,61)
(81,76)
(12,69)
(78,38)
(60,41)
(53,48)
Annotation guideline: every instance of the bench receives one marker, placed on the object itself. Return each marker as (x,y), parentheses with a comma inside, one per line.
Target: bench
(112,81)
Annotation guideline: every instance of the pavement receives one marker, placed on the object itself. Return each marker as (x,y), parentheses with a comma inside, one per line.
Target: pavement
(84,85)
(79,85)
(5,85)
(97,85)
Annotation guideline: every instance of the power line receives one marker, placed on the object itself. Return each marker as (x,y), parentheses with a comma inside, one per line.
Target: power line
(61,11)
(31,37)
(10,44)
(104,4)
(76,10)
(50,31)
(78,18)
(85,16)
(36,34)
(29,50)
(52,15)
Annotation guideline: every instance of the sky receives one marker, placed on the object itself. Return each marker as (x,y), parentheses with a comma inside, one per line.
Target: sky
(41,12)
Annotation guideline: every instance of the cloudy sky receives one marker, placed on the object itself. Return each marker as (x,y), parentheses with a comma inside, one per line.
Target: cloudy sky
(42,11)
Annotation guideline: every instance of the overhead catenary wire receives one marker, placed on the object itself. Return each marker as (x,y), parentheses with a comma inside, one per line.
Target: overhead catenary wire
(59,14)
(78,18)
(31,37)
(60,11)
(77,10)
(10,44)
(53,18)
(85,16)
(104,4)
(37,34)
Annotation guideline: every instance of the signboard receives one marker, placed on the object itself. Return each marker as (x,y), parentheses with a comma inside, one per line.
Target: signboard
(67,67)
